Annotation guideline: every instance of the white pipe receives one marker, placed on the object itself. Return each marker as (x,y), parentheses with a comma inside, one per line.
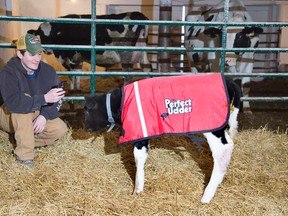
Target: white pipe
(182,36)
(8,5)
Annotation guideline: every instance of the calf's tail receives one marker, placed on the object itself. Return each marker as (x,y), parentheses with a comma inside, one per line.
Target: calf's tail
(235,95)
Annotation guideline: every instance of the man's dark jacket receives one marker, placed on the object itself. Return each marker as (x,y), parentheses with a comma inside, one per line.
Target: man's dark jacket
(23,94)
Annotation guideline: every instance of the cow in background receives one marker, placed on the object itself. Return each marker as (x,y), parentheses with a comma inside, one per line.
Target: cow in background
(237,37)
(106,35)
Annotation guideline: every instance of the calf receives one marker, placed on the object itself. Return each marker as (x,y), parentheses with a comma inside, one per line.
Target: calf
(104,110)
(237,37)
(106,35)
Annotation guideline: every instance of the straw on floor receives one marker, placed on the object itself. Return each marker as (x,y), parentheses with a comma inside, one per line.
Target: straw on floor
(91,175)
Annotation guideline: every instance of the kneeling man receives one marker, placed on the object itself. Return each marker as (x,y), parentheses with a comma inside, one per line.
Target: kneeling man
(30,100)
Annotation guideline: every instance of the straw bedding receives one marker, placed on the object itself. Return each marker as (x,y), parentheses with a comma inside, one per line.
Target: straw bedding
(87,174)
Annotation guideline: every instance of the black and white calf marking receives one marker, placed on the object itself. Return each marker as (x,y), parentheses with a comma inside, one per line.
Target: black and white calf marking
(106,35)
(103,110)
(237,37)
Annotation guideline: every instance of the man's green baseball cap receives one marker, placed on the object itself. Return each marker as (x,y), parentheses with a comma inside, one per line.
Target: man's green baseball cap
(31,43)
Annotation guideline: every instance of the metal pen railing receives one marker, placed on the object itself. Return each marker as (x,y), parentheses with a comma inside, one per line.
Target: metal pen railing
(93,47)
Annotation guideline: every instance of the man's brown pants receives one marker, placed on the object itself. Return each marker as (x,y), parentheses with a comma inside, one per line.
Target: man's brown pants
(26,140)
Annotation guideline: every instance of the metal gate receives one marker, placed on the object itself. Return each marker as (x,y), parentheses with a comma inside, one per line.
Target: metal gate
(92,47)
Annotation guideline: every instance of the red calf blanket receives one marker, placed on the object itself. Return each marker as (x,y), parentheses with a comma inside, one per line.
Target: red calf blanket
(173,105)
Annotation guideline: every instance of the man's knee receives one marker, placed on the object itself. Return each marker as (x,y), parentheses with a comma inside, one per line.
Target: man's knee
(61,128)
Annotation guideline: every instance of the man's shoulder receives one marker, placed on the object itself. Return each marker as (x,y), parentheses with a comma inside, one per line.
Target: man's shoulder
(12,62)
(47,67)
(10,65)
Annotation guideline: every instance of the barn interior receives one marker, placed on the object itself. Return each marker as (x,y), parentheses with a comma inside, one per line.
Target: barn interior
(88,174)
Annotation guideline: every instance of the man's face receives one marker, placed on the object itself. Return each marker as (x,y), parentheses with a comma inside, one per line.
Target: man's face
(29,62)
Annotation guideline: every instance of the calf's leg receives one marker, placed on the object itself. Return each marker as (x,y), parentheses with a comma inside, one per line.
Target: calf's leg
(245,85)
(233,123)
(140,155)
(221,148)
(78,80)
(72,80)
(246,66)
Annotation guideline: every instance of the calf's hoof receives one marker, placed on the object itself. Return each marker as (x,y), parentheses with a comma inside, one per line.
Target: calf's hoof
(205,200)
(138,191)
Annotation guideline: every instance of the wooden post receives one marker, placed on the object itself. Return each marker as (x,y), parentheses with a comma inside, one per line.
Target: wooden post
(164,40)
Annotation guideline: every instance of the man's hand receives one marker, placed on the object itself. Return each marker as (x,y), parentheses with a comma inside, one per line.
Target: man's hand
(39,124)
(54,95)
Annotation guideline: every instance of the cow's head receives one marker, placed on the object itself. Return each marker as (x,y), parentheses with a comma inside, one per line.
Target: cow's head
(45,33)
(247,37)
(243,39)
(238,37)
(102,110)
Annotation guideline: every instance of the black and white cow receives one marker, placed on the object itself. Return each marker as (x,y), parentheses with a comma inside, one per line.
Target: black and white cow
(237,37)
(106,35)
(99,111)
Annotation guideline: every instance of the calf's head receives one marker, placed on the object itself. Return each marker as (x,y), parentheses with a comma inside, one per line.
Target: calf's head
(95,113)
(247,37)
(103,110)
(237,37)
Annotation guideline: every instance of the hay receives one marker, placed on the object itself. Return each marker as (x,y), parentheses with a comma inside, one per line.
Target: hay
(92,176)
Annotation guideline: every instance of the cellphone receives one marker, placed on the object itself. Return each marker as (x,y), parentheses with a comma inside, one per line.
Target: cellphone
(62,84)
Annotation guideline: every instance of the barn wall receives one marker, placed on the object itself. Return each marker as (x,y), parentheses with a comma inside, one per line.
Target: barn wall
(283,58)
(8,30)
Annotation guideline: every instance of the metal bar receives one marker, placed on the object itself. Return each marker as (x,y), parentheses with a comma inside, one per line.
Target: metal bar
(224,36)
(93,51)
(251,99)
(75,98)
(143,22)
(155,74)
(152,49)
(265,99)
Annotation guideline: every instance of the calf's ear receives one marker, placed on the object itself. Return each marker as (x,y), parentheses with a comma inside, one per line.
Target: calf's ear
(31,31)
(256,30)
